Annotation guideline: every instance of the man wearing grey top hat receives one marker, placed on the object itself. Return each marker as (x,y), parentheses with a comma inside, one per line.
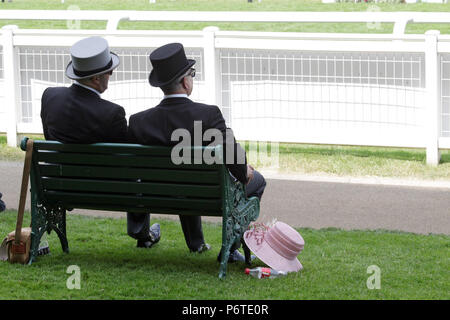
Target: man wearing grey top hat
(77,114)
(174,73)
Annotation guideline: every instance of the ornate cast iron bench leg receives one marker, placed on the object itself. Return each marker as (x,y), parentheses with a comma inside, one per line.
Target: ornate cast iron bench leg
(56,220)
(239,212)
(47,218)
(226,246)
(38,227)
(247,213)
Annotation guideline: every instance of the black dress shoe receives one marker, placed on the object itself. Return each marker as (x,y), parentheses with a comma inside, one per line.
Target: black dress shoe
(154,237)
(235,256)
(144,244)
(204,247)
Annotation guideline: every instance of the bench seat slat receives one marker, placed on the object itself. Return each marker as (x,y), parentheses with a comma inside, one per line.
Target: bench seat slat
(118,160)
(68,199)
(108,186)
(103,148)
(169,175)
(109,148)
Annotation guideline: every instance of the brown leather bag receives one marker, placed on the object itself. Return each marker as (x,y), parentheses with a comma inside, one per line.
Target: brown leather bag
(16,246)
(18,253)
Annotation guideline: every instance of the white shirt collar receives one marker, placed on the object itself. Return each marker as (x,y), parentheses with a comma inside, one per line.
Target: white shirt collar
(176,95)
(89,88)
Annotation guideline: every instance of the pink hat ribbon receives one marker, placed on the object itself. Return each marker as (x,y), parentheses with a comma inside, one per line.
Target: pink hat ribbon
(285,247)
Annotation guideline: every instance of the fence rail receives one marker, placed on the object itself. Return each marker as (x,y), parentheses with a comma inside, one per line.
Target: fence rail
(114,17)
(356,89)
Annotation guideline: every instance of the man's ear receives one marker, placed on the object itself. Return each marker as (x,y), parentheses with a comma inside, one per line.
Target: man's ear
(185,83)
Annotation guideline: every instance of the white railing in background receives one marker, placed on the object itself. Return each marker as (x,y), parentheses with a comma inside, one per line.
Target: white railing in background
(376,1)
(354,89)
(114,17)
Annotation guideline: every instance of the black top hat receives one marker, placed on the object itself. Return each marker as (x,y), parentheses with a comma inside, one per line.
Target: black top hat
(169,62)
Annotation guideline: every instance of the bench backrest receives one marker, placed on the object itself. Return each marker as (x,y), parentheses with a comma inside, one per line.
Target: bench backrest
(126,177)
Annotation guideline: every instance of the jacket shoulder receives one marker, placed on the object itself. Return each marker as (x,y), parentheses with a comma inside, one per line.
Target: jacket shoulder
(206,107)
(142,114)
(111,104)
(52,91)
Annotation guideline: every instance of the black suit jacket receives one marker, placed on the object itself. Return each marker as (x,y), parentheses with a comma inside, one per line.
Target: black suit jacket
(155,126)
(78,115)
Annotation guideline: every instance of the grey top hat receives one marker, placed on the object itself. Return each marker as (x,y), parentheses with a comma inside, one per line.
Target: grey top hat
(90,57)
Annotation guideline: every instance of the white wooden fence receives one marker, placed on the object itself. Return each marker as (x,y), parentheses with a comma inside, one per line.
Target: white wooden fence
(355,89)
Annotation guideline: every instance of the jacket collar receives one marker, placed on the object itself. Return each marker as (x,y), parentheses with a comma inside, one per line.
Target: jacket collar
(176,95)
(83,90)
(175,100)
(86,87)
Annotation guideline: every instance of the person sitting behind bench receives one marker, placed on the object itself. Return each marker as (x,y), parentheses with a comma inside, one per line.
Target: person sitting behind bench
(78,114)
(2,204)
(173,73)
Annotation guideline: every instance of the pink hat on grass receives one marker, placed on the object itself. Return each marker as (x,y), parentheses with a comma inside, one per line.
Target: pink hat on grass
(276,246)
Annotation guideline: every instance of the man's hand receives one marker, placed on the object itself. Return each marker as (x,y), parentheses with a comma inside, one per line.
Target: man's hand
(250,171)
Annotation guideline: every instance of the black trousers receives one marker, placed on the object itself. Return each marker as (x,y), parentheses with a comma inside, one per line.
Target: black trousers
(138,227)
(255,188)
(138,224)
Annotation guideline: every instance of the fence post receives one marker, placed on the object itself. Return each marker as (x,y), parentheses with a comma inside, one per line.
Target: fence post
(212,72)
(114,20)
(400,26)
(432,78)
(11,78)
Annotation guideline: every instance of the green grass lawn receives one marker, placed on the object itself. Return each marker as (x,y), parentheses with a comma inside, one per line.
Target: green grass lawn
(8,153)
(228,5)
(354,161)
(335,266)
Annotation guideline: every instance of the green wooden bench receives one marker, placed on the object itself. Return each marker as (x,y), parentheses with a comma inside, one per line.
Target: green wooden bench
(132,178)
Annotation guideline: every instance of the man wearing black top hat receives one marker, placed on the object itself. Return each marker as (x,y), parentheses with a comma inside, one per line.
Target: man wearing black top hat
(174,73)
(78,114)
